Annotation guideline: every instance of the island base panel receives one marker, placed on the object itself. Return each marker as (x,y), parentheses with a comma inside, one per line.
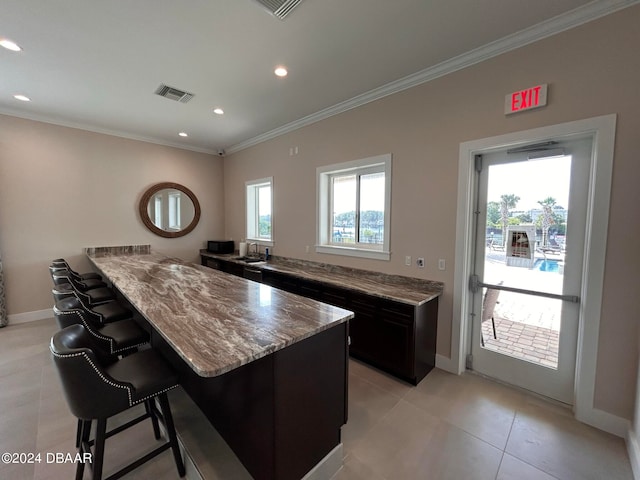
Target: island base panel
(280,414)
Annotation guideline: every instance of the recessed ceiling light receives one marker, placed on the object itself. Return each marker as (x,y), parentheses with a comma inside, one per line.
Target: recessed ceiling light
(183,134)
(218,111)
(22,98)
(9,45)
(281,71)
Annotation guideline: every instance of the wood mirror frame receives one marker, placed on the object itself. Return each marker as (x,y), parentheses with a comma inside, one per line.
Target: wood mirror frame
(144,212)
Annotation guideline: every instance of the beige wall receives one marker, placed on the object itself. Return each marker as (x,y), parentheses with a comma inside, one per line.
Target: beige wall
(591,70)
(63,189)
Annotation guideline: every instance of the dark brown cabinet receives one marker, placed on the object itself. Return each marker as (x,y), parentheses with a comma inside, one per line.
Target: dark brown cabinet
(393,336)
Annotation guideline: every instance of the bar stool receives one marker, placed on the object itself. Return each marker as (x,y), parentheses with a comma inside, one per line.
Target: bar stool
(120,337)
(93,297)
(60,276)
(97,387)
(62,264)
(108,312)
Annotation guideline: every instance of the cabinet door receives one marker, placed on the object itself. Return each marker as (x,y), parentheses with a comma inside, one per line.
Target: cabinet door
(280,281)
(233,268)
(335,296)
(399,329)
(310,289)
(211,262)
(363,339)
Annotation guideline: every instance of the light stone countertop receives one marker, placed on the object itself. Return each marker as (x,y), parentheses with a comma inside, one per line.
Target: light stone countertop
(216,322)
(398,288)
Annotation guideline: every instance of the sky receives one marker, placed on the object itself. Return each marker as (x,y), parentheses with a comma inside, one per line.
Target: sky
(532,181)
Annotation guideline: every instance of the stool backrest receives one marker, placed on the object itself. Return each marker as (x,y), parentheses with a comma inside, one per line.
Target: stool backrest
(66,276)
(71,311)
(90,392)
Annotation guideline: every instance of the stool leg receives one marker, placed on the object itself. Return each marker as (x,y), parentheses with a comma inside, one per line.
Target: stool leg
(79,433)
(154,419)
(171,432)
(84,432)
(98,455)
(493,324)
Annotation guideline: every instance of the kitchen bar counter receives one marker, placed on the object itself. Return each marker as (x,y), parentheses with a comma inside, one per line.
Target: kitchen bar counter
(215,322)
(398,288)
(395,321)
(266,367)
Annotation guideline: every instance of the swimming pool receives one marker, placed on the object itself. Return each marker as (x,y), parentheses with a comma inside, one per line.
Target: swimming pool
(546,265)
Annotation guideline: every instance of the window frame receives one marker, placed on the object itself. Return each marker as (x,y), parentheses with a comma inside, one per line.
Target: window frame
(324,176)
(252,209)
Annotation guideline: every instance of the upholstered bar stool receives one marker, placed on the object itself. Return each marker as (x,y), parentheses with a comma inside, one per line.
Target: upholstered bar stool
(118,337)
(60,276)
(108,312)
(62,264)
(123,339)
(97,387)
(93,297)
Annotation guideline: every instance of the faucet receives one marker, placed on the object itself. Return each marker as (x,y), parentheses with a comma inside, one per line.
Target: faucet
(254,244)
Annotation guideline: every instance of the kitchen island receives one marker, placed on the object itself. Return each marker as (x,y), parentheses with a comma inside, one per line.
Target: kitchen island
(267,368)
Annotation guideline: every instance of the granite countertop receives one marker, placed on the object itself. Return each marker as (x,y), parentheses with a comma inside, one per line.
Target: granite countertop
(409,290)
(214,321)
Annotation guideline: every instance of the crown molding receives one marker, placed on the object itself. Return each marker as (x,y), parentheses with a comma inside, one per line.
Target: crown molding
(103,131)
(547,28)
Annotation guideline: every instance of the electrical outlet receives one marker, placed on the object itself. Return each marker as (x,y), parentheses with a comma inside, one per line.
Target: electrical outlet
(407,260)
(442,265)
(420,262)
(306,249)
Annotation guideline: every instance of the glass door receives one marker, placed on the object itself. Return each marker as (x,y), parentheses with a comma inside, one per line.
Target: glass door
(530,225)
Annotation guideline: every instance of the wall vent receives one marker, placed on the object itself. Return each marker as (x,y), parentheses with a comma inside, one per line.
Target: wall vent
(173,93)
(279,8)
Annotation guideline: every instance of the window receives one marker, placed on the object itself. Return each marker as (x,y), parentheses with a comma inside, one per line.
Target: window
(259,210)
(174,210)
(353,208)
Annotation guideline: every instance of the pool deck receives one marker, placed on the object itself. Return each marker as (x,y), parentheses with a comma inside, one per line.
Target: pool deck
(527,327)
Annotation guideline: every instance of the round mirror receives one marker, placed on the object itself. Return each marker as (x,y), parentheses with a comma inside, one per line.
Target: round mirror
(169,209)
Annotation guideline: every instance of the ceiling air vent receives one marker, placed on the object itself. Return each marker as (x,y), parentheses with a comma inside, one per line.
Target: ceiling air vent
(173,93)
(279,8)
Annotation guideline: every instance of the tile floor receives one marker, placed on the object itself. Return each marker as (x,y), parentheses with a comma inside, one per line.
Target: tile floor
(448,427)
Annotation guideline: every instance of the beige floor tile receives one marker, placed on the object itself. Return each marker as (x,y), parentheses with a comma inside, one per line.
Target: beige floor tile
(447,427)
(474,404)
(367,405)
(513,469)
(395,445)
(453,454)
(380,379)
(565,448)
(16,471)
(355,469)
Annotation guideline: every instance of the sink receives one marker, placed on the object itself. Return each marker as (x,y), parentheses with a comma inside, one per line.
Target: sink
(250,259)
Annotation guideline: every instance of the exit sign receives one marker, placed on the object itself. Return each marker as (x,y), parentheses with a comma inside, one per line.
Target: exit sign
(526,99)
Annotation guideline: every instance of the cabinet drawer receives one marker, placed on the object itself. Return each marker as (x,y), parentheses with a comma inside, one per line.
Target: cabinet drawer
(336,297)
(310,289)
(397,311)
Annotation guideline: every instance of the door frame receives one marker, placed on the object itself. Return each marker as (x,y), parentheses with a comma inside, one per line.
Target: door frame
(602,130)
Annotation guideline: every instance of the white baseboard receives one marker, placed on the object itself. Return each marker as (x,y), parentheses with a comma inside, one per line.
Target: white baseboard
(30,316)
(447,364)
(633,449)
(604,421)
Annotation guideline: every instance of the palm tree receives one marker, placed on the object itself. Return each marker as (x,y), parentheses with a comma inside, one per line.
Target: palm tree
(547,217)
(507,202)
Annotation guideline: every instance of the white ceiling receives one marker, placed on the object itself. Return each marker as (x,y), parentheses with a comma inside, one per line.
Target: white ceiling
(96,64)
